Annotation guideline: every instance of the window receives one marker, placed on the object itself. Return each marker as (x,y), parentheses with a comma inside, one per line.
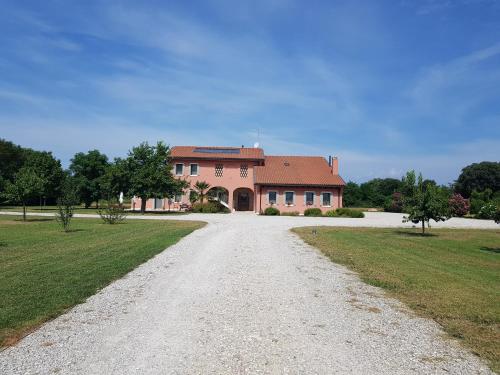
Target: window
(193,170)
(272,197)
(289,198)
(243,170)
(179,169)
(309,198)
(219,168)
(178,198)
(326,199)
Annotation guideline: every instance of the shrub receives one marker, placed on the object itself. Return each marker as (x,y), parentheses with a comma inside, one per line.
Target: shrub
(488,211)
(348,212)
(313,212)
(271,211)
(292,213)
(497,216)
(211,207)
(64,213)
(395,204)
(459,206)
(113,213)
(331,213)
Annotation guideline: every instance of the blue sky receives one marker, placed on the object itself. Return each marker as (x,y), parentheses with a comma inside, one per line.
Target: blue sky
(385,85)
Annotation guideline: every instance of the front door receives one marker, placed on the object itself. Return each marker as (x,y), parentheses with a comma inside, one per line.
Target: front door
(243,202)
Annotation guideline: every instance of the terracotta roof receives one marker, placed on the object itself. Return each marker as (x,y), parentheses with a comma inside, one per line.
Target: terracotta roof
(296,170)
(202,152)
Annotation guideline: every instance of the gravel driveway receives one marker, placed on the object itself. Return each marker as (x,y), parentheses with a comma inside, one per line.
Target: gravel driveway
(243,295)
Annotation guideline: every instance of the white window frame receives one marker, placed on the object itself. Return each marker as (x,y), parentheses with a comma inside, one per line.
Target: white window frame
(175,198)
(284,198)
(191,169)
(277,195)
(331,199)
(175,169)
(305,198)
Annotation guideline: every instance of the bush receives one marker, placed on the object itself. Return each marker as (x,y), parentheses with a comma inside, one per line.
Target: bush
(112,214)
(211,207)
(459,206)
(313,212)
(488,211)
(497,216)
(331,213)
(347,212)
(395,204)
(292,213)
(64,213)
(271,211)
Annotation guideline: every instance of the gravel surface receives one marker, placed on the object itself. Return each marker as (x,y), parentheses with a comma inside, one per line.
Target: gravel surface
(243,295)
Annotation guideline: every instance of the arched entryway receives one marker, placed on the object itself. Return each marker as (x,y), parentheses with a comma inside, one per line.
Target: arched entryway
(243,199)
(219,193)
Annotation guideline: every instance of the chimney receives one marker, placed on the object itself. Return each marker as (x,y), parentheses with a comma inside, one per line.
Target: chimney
(335,166)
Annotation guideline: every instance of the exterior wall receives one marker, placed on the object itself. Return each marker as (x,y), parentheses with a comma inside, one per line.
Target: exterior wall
(230,180)
(299,203)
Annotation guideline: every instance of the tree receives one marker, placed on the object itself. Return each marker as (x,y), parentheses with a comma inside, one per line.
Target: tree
(459,206)
(352,194)
(201,188)
(115,180)
(66,202)
(50,171)
(11,159)
(424,202)
(479,177)
(26,185)
(88,169)
(149,170)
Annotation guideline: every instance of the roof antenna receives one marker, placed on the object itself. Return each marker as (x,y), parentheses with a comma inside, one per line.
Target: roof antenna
(256,144)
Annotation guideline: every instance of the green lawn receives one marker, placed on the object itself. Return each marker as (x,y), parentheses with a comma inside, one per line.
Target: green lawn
(81,210)
(452,276)
(44,271)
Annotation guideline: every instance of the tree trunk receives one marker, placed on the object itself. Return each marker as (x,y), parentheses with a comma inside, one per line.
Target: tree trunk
(40,203)
(423,226)
(24,211)
(143,205)
(97,204)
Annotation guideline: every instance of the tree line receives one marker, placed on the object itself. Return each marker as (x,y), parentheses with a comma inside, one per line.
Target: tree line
(29,177)
(476,191)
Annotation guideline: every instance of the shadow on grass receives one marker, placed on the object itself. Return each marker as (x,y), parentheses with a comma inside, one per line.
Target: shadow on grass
(3,244)
(74,230)
(414,234)
(34,220)
(495,250)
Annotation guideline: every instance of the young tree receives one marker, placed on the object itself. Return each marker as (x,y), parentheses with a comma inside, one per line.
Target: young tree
(27,184)
(201,188)
(149,172)
(66,202)
(88,169)
(424,202)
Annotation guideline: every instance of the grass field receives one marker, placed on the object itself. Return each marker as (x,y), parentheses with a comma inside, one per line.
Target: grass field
(452,276)
(44,271)
(81,210)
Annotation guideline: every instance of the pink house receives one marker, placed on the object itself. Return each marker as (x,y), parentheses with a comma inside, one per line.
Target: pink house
(247,180)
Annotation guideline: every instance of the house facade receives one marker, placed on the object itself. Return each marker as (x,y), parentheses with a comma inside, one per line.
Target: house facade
(245,179)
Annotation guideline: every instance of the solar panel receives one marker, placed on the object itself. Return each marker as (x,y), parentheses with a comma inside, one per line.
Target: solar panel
(217,150)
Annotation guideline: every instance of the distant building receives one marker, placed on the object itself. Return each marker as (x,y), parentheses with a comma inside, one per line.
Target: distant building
(245,179)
